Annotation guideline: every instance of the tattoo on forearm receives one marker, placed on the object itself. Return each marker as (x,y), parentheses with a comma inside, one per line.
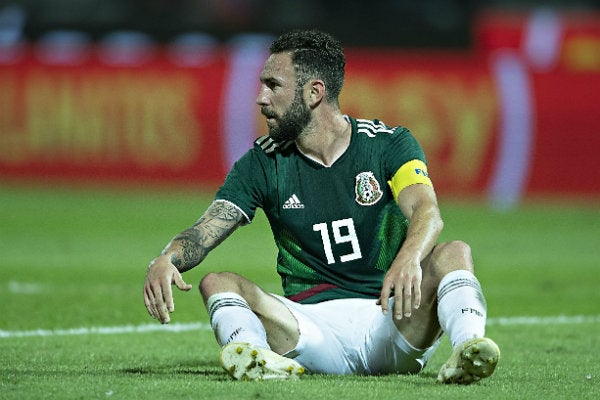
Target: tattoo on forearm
(191,249)
(219,221)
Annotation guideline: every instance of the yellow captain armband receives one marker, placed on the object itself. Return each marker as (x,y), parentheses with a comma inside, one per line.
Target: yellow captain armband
(410,173)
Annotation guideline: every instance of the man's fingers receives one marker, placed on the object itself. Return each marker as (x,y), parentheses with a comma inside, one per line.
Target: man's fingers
(384,297)
(168,292)
(161,305)
(152,304)
(149,302)
(417,295)
(398,303)
(159,308)
(168,298)
(407,301)
(405,282)
(158,292)
(181,285)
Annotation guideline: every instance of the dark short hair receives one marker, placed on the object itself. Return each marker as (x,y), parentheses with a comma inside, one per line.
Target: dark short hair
(315,55)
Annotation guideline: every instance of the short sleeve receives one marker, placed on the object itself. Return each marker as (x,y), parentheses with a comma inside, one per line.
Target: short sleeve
(401,147)
(245,185)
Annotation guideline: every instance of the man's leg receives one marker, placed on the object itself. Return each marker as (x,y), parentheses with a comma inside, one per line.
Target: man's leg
(252,326)
(452,302)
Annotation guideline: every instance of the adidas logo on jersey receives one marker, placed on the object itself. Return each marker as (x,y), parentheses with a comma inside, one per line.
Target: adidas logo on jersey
(293,202)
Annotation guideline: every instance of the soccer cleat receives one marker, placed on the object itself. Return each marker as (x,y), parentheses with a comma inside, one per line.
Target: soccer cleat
(470,361)
(244,362)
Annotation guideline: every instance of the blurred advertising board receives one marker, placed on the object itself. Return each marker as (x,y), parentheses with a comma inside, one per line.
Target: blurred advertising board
(517,115)
(89,117)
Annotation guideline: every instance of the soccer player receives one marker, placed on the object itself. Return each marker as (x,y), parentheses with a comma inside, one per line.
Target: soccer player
(367,288)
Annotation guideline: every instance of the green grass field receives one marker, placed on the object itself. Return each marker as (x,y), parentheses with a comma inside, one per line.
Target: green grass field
(73,324)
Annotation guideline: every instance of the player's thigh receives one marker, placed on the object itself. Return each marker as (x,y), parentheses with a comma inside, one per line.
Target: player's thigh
(279,322)
(332,334)
(389,351)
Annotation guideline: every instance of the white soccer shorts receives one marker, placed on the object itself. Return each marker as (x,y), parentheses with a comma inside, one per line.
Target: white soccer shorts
(352,336)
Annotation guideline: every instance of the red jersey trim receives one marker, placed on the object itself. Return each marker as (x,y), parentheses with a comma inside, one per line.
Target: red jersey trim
(312,291)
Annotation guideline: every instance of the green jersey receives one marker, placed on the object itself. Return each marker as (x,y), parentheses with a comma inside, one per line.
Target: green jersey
(338,227)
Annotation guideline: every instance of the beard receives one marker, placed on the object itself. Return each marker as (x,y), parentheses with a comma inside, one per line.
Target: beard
(292,122)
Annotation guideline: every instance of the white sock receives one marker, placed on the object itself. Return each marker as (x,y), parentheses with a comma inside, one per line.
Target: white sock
(232,320)
(462,308)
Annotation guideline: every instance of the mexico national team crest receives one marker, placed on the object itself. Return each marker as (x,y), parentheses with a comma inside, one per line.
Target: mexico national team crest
(367,189)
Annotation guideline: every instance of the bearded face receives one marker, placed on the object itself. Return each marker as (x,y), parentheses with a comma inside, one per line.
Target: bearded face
(293,121)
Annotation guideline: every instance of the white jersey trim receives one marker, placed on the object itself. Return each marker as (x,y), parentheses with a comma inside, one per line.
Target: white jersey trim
(269,145)
(371,128)
(248,220)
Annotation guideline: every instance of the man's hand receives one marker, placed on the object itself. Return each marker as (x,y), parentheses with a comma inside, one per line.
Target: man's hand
(158,296)
(184,252)
(404,277)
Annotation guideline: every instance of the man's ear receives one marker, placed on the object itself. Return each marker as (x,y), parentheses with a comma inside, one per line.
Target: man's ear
(317,92)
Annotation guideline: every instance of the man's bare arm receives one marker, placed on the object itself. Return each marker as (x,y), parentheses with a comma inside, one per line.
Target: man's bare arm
(419,204)
(191,246)
(184,252)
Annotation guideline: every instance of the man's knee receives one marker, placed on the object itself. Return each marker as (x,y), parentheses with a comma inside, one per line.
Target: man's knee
(450,256)
(216,282)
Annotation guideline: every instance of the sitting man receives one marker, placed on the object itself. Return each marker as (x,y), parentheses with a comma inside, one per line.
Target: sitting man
(367,288)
